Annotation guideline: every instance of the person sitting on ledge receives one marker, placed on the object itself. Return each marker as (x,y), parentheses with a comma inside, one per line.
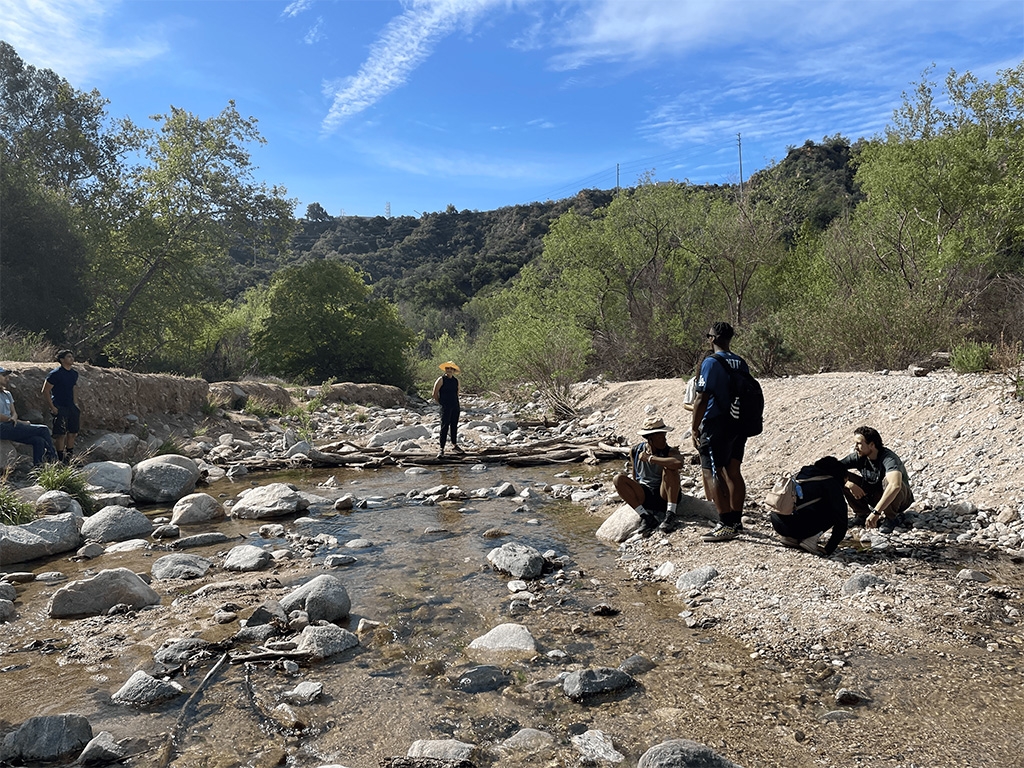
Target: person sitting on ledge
(652,488)
(14,429)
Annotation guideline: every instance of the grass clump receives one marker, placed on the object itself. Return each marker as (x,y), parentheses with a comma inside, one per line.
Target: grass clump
(261,408)
(62,477)
(14,511)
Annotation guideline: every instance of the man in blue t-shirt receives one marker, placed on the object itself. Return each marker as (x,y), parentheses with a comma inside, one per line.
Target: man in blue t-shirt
(716,438)
(59,388)
(879,491)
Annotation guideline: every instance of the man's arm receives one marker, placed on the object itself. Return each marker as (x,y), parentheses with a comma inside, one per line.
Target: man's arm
(700,405)
(893,485)
(46,390)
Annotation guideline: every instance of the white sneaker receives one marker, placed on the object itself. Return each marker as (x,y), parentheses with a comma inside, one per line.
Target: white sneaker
(810,544)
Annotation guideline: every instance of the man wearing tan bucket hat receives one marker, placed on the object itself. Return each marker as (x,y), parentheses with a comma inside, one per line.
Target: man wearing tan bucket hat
(652,487)
(446,393)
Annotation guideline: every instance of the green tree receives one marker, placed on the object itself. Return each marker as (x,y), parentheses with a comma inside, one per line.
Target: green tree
(162,235)
(321,321)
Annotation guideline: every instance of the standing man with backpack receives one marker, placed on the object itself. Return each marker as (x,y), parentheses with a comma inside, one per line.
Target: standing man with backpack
(717,435)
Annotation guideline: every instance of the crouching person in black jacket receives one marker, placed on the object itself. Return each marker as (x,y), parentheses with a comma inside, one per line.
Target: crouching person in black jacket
(820,506)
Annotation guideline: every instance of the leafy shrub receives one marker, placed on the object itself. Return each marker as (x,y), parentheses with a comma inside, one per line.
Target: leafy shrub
(971,357)
(61,477)
(14,511)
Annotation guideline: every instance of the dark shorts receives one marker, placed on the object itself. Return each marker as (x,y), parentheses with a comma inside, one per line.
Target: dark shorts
(66,420)
(653,501)
(719,446)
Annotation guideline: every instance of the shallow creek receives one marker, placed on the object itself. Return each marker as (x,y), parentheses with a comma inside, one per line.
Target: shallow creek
(434,593)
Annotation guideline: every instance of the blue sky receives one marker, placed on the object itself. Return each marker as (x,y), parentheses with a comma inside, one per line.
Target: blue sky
(486,103)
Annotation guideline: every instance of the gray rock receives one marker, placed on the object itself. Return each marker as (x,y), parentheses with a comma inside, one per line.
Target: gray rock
(176,651)
(847,697)
(143,690)
(505,489)
(168,531)
(116,523)
(619,525)
(683,753)
(480,679)
(304,693)
(103,750)
(114,447)
(529,740)
(338,561)
(397,435)
(111,476)
(47,739)
(859,582)
(268,613)
(164,478)
(8,591)
(255,635)
(585,683)
(196,508)
(506,638)
(322,642)
(97,595)
(7,611)
(180,566)
(596,747)
(441,749)
(636,665)
(58,503)
(273,500)
(201,540)
(40,538)
(247,558)
(967,574)
(517,560)
(90,551)
(324,598)
(696,579)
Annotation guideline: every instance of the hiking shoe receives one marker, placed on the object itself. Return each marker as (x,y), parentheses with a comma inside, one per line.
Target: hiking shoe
(890,523)
(723,532)
(666,525)
(810,544)
(859,520)
(457,449)
(440,455)
(789,541)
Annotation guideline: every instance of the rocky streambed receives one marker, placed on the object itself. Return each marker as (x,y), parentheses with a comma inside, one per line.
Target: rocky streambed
(898,651)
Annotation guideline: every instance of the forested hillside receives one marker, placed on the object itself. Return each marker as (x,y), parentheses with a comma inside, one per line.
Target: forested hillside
(154,247)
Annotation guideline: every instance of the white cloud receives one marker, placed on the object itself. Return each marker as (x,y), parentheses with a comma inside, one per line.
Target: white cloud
(404,44)
(67,36)
(297,7)
(315,34)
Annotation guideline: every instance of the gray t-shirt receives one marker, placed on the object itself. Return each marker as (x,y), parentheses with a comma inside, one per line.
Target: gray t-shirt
(874,471)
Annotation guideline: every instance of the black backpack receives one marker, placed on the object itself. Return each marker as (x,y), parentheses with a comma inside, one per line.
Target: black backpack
(746,408)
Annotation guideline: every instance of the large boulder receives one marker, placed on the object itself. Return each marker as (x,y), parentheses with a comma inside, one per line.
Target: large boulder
(413,432)
(620,525)
(58,503)
(164,478)
(506,638)
(117,447)
(46,739)
(324,641)
(323,598)
(142,690)
(111,476)
(97,595)
(247,557)
(40,538)
(273,500)
(517,560)
(196,508)
(116,523)
(383,395)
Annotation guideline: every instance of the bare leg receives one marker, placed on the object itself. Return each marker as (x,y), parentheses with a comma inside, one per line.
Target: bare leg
(629,490)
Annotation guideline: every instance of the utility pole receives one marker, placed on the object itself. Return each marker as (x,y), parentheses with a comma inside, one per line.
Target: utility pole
(739,146)
(616,177)
(387,210)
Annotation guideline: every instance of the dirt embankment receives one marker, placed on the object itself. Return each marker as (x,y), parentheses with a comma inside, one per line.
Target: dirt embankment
(961,436)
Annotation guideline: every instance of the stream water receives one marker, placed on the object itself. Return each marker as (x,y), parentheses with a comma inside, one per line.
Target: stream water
(427,581)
